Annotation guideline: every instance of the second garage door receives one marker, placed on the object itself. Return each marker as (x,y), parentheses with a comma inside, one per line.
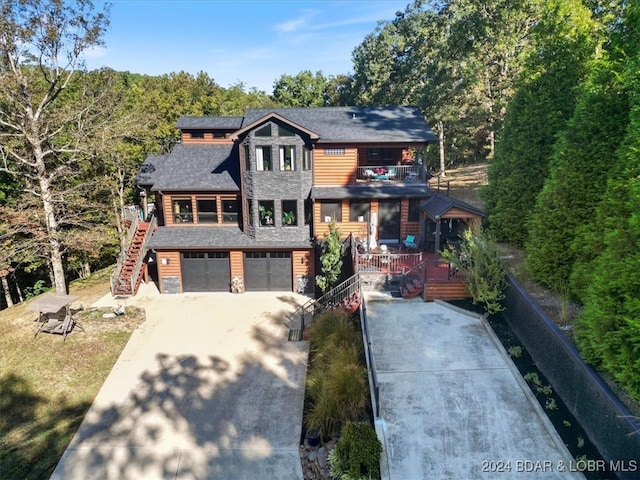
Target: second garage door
(205,271)
(264,271)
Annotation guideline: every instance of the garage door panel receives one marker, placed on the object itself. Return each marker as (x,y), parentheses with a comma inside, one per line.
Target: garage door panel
(256,271)
(280,271)
(205,271)
(267,271)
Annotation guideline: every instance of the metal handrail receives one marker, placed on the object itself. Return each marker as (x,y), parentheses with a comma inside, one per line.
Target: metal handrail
(370,360)
(392,173)
(329,300)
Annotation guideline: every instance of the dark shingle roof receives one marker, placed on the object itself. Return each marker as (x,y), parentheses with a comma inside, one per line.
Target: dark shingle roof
(369,191)
(195,167)
(213,237)
(213,123)
(438,205)
(355,124)
(148,171)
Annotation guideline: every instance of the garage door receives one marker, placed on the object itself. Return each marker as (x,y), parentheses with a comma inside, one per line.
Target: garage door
(205,271)
(267,271)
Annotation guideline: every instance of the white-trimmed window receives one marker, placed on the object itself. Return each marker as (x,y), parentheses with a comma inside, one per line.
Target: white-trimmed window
(263,158)
(287,157)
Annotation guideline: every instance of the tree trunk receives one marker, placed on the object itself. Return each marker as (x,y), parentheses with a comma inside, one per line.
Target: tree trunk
(19,291)
(7,291)
(51,222)
(443,173)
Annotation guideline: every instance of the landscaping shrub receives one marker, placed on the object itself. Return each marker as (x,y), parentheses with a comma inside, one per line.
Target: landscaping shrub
(480,257)
(356,456)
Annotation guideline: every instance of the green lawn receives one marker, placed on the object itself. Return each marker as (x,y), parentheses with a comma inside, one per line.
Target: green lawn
(47,385)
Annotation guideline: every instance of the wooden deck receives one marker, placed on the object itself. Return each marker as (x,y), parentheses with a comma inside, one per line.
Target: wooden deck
(441,279)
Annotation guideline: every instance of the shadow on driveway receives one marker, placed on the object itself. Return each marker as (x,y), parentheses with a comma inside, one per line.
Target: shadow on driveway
(208,387)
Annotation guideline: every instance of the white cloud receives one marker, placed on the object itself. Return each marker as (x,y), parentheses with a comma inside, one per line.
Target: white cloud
(297,23)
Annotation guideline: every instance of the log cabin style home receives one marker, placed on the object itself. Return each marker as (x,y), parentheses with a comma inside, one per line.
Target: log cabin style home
(240,202)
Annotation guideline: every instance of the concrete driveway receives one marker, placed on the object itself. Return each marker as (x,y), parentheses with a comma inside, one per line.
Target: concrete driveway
(208,387)
(452,404)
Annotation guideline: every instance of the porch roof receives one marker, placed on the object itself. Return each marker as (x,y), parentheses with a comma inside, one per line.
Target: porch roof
(192,167)
(370,191)
(438,205)
(180,238)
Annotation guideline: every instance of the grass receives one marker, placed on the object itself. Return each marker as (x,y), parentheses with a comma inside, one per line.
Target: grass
(48,385)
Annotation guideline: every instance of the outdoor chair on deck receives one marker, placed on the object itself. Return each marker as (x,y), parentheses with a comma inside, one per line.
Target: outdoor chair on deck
(410,242)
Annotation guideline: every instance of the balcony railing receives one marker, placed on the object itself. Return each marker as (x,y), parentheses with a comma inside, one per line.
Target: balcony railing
(392,174)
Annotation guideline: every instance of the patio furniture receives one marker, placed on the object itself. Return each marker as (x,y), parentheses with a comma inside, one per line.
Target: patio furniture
(54,314)
(410,242)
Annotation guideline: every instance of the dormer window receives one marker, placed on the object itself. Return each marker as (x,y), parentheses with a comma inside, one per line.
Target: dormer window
(197,134)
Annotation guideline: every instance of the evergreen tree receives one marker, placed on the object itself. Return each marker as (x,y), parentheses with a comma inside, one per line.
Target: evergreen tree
(563,42)
(583,161)
(608,330)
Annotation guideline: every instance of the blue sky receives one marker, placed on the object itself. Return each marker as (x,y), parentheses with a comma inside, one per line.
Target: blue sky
(248,41)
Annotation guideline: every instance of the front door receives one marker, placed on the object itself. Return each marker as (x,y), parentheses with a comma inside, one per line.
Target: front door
(389,220)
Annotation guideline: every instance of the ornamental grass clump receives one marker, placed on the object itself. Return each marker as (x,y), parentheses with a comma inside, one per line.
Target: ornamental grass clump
(337,386)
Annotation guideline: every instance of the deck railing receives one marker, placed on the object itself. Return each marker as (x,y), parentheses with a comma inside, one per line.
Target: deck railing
(392,173)
(392,263)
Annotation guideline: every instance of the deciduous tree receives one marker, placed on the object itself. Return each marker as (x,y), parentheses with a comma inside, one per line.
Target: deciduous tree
(43,125)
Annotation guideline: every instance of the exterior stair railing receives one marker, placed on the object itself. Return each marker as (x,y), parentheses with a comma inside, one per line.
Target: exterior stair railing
(132,217)
(153,223)
(116,277)
(418,271)
(339,295)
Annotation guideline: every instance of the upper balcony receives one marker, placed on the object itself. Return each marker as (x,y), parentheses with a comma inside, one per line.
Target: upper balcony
(392,174)
(363,165)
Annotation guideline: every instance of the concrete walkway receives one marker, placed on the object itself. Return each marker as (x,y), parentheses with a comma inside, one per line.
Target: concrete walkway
(208,387)
(453,405)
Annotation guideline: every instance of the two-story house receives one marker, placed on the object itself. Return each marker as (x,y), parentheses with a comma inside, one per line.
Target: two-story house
(243,199)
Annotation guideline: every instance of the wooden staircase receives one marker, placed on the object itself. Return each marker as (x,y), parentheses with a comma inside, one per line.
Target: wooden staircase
(433,279)
(129,271)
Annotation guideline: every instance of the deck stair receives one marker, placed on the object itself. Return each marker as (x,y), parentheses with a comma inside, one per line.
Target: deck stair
(411,286)
(129,271)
